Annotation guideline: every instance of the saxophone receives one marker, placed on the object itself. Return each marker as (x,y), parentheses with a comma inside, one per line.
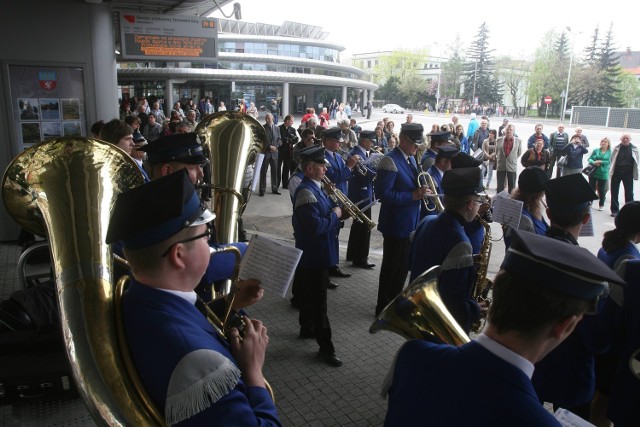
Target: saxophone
(483,285)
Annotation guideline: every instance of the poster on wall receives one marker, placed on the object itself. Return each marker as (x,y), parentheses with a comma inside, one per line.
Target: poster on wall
(48,102)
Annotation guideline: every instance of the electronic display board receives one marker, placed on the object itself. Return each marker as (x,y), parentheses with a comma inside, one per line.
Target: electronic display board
(168,37)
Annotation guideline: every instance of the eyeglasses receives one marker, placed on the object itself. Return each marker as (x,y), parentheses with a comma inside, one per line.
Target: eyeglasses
(478,201)
(206,234)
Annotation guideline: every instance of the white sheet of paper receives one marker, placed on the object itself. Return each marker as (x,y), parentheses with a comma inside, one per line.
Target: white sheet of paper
(271,262)
(256,171)
(507,211)
(569,419)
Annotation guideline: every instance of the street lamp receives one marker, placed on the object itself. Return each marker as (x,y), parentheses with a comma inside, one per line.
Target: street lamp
(438,91)
(566,92)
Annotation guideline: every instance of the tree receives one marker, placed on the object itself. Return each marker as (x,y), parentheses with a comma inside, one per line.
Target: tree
(400,63)
(414,89)
(630,90)
(389,91)
(452,71)
(513,74)
(479,75)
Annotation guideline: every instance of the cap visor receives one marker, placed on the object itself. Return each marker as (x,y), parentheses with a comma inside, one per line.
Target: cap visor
(206,217)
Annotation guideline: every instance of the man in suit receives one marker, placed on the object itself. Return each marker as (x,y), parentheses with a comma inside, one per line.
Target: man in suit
(401,197)
(289,139)
(557,141)
(490,376)
(508,152)
(273,142)
(178,355)
(339,172)
(361,194)
(315,222)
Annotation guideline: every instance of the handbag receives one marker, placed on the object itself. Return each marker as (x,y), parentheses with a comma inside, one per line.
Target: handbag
(562,161)
(589,170)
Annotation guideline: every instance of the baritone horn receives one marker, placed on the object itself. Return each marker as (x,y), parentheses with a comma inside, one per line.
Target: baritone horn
(418,312)
(65,188)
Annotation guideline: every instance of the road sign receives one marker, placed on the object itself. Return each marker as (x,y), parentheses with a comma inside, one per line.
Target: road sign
(547,100)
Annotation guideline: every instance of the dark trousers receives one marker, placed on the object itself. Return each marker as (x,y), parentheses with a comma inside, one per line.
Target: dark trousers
(511,180)
(624,175)
(270,160)
(311,292)
(394,269)
(552,162)
(359,239)
(369,113)
(600,187)
(284,166)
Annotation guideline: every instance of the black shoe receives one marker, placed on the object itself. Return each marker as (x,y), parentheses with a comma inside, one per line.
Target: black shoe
(614,214)
(306,334)
(286,187)
(332,285)
(276,192)
(294,302)
(364,264)
(336,272)
(329,358)
(261,194)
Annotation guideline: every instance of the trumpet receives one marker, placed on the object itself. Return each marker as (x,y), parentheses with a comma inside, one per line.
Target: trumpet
(347,205)
(424,179)
(360,166)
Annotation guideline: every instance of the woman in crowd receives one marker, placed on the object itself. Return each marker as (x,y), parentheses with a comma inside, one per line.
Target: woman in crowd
(324,114)
(388,129)
(599,179)
(381,141)
(392,143)
(574,151)
(489,154)
(537,156)
(530,191)
(253,111)
(464,142)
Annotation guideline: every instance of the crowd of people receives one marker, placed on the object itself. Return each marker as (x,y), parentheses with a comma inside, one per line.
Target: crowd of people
(530,353)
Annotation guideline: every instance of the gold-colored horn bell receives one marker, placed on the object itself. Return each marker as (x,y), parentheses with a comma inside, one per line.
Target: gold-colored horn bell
(419,313)
(65,188)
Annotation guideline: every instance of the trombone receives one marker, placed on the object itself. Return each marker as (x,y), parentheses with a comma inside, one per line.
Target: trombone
(347,205)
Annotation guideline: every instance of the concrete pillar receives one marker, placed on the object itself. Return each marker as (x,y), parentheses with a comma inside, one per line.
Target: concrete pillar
(168,95)
(344,94)
(284,106)
(104,63)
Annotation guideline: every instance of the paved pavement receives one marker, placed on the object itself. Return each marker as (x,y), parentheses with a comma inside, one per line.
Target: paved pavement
(307,391)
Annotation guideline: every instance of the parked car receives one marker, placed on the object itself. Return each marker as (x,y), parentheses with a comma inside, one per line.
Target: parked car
(392,108)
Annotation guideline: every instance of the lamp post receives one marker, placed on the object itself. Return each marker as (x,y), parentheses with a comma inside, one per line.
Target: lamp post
(566,92)
(438,92)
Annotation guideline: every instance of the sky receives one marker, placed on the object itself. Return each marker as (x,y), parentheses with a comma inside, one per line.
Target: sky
(516,30)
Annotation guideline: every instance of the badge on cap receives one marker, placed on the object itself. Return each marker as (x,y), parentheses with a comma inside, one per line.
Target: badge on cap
(181,147)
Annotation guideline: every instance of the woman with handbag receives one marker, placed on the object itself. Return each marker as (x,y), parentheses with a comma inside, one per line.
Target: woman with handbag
(599,177)
(574,151)
(536,156)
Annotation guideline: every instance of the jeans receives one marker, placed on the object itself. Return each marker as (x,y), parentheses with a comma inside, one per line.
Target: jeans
(487,168)
(624,175)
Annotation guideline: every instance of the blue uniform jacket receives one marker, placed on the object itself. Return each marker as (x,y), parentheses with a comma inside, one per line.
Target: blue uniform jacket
(613,259)
(315,226)
(395,182)
(624,403)
(442,385)
(453,252)
(338,172)
(162,331)
(361,187)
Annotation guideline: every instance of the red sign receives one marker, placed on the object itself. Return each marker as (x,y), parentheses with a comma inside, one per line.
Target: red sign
(547,100)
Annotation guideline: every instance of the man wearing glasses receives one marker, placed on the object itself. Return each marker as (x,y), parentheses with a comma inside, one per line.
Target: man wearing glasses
(463,195)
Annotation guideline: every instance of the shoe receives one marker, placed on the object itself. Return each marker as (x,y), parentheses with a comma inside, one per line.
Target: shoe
(277,192)
(332,285)
(261,194)
(330,359)
(614,214)
(600,208)
(364,264)
(336,272)
(286,187)
(306,334)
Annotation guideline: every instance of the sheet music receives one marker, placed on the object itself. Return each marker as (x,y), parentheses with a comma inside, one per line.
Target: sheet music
(271,262)
(256,171)
(372,158)
(507,211)
(587,229)
(569,419)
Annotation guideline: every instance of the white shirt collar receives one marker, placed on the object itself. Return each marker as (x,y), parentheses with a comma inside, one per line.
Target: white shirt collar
(505,354)
(189,296)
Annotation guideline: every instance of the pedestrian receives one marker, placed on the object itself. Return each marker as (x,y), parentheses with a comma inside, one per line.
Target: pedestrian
(624,169)
(599,179)
(574,151)
(508,151)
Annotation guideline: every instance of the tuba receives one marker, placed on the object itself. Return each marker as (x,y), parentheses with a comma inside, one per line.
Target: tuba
(65,189)
(419,313)
(230,140)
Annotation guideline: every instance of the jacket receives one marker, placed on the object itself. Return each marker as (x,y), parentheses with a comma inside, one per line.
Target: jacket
(602,171)
(510,163)
(574,155)
(634,154)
